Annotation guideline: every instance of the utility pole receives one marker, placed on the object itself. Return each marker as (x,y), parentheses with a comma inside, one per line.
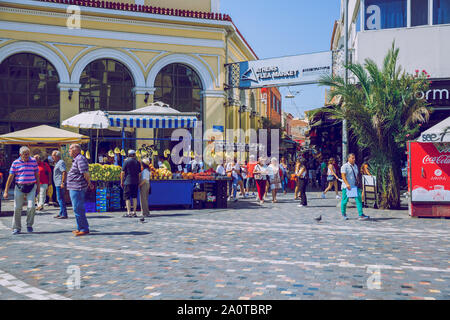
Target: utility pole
(344,122)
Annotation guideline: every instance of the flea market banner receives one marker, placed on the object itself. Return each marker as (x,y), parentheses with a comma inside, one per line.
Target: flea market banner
(285,71)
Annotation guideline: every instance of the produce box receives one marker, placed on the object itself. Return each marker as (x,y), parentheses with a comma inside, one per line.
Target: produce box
(200,196)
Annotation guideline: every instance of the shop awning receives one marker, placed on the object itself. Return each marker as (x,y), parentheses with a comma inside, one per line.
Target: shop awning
(43,135)
(438,133)
(156,115)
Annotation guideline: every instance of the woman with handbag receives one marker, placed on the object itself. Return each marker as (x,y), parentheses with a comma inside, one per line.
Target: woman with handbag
(303,182)
(144,187)
(332,178)
(260,175)
(275,178)
(297,180)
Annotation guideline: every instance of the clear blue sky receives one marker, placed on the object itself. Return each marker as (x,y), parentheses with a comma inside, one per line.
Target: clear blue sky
(287,27)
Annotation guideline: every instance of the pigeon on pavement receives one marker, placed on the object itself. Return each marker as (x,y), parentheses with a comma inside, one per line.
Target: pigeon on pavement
(319,218)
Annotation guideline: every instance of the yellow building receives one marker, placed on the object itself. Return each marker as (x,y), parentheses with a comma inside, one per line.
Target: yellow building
(62,57)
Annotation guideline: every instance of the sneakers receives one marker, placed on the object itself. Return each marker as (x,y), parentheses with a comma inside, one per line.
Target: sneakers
(337,197)
(364,217)
(29,229)
(323,195)
(345,217)
(16,231)
(81,233)
(301,206)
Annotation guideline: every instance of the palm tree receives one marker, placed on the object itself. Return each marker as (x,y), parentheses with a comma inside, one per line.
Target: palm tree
(383,110)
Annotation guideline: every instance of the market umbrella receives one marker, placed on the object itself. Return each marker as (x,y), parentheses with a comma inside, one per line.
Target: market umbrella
(43,135)
(438,133)
(89,120)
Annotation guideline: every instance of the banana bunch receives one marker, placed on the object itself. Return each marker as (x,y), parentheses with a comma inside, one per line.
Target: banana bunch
(105,172)
(163,173)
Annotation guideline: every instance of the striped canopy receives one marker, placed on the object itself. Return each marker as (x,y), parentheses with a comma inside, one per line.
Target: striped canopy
(152,122)
(154,116)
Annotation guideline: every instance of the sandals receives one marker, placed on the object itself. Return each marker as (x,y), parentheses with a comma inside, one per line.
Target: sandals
(126,215)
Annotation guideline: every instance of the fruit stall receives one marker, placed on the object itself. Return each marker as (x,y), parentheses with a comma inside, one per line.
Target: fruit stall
(190,190)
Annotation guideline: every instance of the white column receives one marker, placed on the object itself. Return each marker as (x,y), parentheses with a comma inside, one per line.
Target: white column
(408,14)
(430,12)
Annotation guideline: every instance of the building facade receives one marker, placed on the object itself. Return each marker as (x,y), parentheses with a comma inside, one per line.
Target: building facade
(62,57)
(420,29)
(272,99)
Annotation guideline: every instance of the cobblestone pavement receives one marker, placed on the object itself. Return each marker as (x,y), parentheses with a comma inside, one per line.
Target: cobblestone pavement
(277,251)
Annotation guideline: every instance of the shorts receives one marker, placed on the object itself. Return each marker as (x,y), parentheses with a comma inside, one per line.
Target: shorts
(130,191)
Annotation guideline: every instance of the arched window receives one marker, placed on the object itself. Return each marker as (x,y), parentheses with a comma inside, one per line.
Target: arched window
(252,102)
(242,98)
(106,85)
(29,91)
(29,96)
(180,87)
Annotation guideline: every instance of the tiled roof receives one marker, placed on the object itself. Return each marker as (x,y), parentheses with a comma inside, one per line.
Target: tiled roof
(145,9)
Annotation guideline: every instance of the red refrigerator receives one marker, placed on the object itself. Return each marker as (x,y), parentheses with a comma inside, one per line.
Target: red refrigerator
(429,179)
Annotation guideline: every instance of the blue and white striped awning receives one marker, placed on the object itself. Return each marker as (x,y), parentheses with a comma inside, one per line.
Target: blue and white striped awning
(152,122)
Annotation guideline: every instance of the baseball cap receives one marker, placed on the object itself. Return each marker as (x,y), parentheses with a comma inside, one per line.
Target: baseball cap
(131,151)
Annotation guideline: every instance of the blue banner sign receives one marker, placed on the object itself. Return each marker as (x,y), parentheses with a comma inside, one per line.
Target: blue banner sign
(285,71)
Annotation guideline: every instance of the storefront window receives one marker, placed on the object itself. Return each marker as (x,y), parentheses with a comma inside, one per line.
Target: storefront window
(419,12)
(385,14)
(441,11)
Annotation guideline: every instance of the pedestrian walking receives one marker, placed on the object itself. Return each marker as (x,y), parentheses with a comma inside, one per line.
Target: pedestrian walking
(45,176)
(129,180)
(275,178)
(332,178)
(303,182)
(323,175)
(25,173)
(78,182)
(260,173)
(144,187)
(59,179)
(365,172)
(285,174)
(251,184)
(351,184)
(296,173)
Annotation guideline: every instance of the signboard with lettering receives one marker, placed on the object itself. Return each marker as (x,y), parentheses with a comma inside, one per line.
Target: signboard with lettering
(286,71)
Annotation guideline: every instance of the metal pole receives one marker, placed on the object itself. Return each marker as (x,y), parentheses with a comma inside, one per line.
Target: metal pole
(344,122)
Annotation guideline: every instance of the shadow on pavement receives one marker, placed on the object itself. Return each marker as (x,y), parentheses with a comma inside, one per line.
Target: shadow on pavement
(131,233)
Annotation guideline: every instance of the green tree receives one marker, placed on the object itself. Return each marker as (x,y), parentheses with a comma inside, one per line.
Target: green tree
(383,110)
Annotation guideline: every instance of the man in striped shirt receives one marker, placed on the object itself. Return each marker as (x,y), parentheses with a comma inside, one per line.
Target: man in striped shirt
(78,181)
(25,172)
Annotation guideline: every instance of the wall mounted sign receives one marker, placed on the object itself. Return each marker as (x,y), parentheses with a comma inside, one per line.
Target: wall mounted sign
(285,71)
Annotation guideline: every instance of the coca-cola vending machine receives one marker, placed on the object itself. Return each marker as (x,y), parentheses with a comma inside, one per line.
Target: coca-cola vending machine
(429,172)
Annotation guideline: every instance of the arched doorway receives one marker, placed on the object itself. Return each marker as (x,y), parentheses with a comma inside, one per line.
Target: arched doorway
(29,96)
(107,85)
(180,87)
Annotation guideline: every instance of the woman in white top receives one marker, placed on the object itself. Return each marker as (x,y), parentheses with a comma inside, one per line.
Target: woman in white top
(260,174)
(332,178)
(303,182)
(144,187)
(275,179)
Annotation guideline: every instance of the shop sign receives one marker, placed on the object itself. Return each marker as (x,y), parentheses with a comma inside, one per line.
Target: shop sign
(285,71)
(238,147)
(438,94)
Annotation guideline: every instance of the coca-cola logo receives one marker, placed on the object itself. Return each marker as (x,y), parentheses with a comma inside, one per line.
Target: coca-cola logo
(444,159)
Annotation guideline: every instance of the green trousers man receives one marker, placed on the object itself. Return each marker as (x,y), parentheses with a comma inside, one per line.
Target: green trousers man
(344,201)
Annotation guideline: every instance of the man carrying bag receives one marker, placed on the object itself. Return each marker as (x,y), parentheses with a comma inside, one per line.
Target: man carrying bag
(351,187)
(25,172)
